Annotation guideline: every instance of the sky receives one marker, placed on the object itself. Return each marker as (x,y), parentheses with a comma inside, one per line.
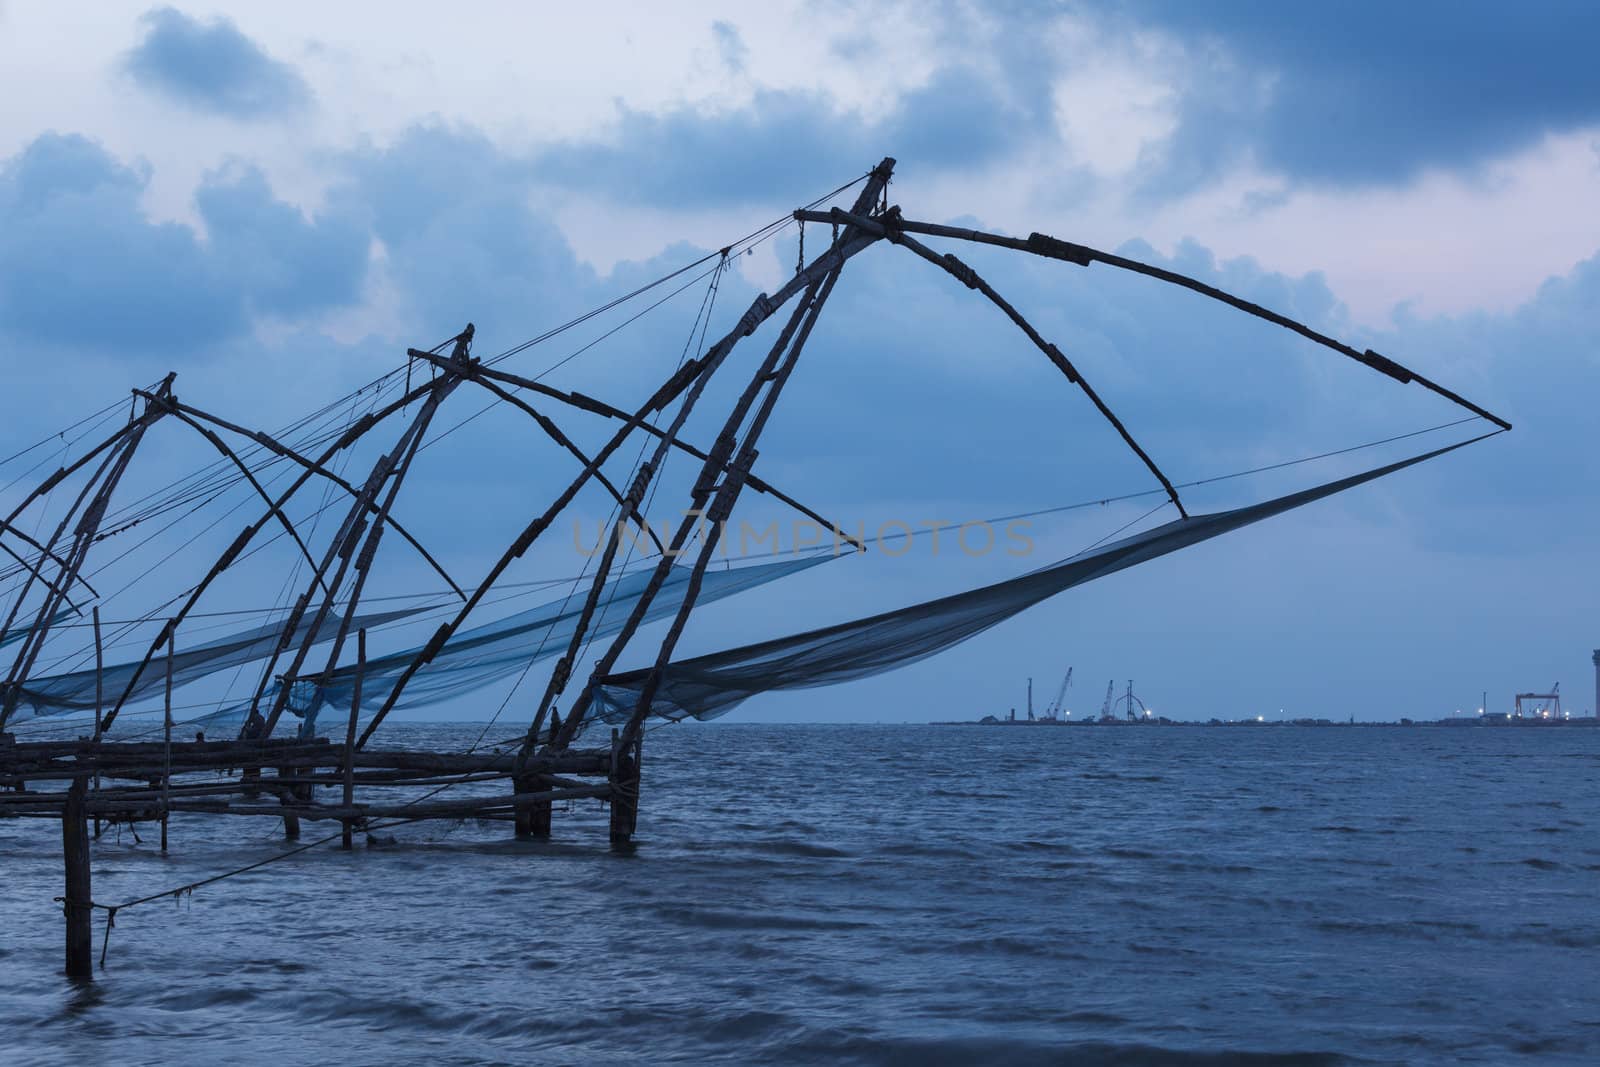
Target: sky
(274,201)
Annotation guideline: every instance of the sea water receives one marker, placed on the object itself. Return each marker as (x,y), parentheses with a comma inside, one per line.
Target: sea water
(877,894)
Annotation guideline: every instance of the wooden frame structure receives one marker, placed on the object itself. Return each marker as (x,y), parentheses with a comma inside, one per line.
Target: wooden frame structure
(107,780)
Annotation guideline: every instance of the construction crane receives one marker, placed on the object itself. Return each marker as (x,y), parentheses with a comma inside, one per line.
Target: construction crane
(1105,709)
(1552,703)
(1131,701)
(1053,711)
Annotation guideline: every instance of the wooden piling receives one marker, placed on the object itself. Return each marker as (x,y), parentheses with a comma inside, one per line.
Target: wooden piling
(347,841)
(542,808)
(533,819)
(624,791)
(524,815)
(286,797)
(77,901)
(99,700)
(166,775)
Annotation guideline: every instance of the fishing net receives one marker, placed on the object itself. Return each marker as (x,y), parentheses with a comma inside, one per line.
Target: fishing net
(75,691)
(707,686)
(496,651)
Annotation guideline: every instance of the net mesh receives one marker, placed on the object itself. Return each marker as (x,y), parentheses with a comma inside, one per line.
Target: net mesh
(75,690)
(476,658)
(705,687)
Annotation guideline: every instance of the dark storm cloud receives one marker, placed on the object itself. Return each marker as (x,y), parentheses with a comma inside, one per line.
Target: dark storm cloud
(1368,92)
(211,66)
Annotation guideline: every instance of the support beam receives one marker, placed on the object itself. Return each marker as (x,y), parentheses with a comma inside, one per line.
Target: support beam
(355,545)
(444,809)
(721,452)
(166,772)
(770,376)
(77,901)
(287,798)
(104,482)
(482,374)
(350,736)
(625,779)
(1044,245)
(889,226)
(351,435)
(99,698)
(312,466)
(692,377)
(722,505)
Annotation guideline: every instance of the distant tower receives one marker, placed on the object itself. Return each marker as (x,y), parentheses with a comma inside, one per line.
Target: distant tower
(1597,683)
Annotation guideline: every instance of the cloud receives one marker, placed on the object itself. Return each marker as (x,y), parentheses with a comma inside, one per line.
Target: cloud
(463,239)
(730,46)
(789,144)
(211,66)
(1539,366)
(82,265)
(1369,92)
(915,401)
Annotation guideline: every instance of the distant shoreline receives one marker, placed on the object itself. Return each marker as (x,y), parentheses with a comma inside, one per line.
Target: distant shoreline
(1475,722)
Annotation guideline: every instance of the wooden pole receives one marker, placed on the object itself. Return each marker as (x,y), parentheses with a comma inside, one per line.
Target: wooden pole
(76,902)
(524,818)
(166,776)
(99,700)
(286,797)
(1040,244)
(624,791)
(816,291)
(356,544)
(689,379)
(347,840)
(84,538)
(532,820)
(316,466)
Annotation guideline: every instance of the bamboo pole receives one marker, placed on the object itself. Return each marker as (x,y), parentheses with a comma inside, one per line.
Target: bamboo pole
(349,437)
(145,760)
(721,507)
(772,373)
(1040,244)
(104,482)
(355,544)
(486,376)
(721,452)
(889,227)
(122,800)
(312,466)
(691,377)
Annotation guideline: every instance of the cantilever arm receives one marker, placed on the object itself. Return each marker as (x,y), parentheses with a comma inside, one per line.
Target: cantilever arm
(685,378)
(270,443)
(34,543)
(274,509)
(38,572)
(479,372)
(349,437)
(554,433)
(888,227)
(1040,244)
